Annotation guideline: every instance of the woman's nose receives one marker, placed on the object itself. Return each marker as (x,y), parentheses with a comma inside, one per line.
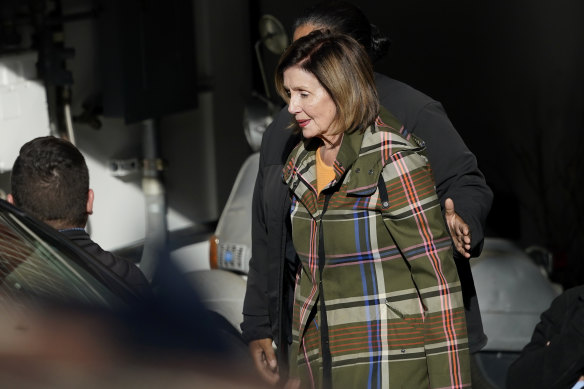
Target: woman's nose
(293,107)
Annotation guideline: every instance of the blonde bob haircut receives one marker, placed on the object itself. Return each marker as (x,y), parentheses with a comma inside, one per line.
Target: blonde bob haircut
(341,65)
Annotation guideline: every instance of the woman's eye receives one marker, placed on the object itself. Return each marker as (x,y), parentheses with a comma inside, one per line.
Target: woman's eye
(304,94)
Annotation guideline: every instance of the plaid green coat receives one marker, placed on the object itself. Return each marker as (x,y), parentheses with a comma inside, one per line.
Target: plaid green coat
(392,295)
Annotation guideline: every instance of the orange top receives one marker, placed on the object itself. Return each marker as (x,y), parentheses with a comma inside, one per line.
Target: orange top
(324,173)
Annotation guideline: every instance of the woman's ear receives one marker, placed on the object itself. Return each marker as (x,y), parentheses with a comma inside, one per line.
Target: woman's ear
(90,197)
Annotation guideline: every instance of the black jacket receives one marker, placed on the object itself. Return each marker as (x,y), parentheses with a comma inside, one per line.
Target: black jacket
(125,269)
(560,363)
(267,303)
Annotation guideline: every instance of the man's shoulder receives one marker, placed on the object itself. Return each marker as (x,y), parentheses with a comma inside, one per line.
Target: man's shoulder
(572,295)
(393,92)
(82,239)
(566,303)
(401,99)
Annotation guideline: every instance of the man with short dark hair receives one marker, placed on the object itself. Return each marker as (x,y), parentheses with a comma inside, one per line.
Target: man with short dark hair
(50,181)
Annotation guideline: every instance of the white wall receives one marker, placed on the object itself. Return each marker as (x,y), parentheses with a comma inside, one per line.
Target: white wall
(186,141)
(202,148)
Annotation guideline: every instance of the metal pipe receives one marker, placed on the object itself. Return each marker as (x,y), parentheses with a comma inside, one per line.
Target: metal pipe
(261,65)
(156,236)
(69,122)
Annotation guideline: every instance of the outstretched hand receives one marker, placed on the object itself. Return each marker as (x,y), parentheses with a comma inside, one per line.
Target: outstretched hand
(459,230)
(264,359)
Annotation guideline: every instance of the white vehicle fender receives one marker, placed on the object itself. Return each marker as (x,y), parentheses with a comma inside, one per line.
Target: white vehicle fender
(221,291)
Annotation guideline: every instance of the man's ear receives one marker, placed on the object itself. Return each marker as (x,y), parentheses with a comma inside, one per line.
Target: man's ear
(9,198)
(90,197)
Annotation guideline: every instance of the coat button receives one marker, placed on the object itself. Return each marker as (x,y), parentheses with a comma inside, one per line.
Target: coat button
(358,170)
(370,172)
(385,204)
(403,350)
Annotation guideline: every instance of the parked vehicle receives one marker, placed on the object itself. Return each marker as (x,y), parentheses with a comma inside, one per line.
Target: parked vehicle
(512,291)
(218,267)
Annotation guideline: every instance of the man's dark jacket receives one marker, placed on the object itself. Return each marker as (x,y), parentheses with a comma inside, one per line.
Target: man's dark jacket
(125,269)
(268,299)
(554,358)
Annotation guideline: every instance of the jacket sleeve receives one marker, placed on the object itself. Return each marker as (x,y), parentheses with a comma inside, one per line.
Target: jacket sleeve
(414,221)
(132,275)
(554,358)
(455,170)
(256,320)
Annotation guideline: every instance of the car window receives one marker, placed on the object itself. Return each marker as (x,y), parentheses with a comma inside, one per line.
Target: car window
(30,267)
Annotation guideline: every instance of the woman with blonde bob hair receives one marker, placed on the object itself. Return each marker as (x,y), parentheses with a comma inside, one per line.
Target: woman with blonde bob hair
(347,76)
(377,301)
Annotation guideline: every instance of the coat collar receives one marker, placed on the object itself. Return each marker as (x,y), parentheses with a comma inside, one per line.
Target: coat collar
(361,158)
(301,163)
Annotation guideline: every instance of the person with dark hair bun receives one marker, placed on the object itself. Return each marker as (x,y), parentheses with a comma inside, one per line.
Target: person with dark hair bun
(345,18)
(269,296)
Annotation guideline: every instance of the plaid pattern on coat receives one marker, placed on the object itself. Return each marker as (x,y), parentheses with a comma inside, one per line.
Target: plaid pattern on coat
(392,295)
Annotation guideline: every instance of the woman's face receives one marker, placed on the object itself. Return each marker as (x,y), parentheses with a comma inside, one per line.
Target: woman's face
(310,104)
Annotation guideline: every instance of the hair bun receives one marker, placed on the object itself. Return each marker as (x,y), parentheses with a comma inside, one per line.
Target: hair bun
(379,44)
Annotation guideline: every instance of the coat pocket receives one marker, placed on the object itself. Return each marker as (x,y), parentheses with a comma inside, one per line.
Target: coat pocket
(405,335)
